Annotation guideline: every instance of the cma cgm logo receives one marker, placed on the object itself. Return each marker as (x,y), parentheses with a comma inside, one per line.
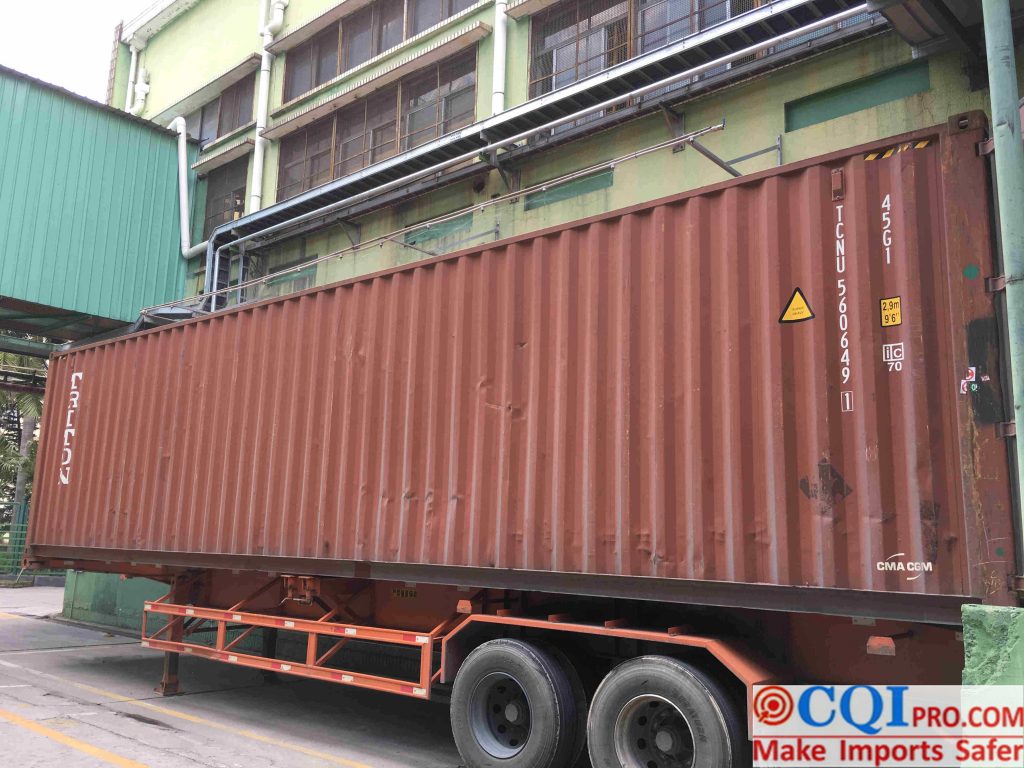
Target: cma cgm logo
(64,474)
(917,568)
(867,708)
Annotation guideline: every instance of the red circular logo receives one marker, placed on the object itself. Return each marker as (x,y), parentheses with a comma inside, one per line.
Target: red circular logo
(773,705)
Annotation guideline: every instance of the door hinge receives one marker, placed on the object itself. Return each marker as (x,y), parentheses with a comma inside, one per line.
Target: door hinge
(838,184)
(986,147)
(1015,584)
(995,284)
(1006,429)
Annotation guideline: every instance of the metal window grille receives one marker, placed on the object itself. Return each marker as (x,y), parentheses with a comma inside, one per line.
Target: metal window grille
(225,194)
(312,63)
(236,105)
(359,37)
(578,38)
(434,101)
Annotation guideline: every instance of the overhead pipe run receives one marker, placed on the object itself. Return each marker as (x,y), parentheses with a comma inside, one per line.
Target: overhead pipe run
(1006,134)
(268,29)
(213,253)
(691,138)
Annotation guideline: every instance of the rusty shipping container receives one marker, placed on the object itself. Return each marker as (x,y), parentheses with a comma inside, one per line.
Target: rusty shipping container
(756,394)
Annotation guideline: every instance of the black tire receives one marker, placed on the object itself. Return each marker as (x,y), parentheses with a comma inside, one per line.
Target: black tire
(578,757)
(660,712)
(514,704)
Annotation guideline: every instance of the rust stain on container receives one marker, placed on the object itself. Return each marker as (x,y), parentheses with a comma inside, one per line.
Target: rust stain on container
(615,396)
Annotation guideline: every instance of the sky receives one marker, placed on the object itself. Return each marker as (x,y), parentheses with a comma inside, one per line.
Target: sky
(66,42)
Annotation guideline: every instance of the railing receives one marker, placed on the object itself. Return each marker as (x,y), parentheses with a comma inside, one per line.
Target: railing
(480,224)
(13,537)
(12,546)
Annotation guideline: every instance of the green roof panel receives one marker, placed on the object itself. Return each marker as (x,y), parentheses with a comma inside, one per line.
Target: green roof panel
(88,204)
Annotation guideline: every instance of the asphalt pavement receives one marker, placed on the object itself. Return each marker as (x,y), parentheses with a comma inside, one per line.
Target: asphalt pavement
(74,696)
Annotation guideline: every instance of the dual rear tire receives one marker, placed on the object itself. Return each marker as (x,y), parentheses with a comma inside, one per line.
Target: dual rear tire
(519,704)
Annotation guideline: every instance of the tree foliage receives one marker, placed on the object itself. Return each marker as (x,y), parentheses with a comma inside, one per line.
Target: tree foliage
(19,418)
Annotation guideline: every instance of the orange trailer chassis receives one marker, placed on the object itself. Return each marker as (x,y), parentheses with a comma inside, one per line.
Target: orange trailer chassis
(185,619)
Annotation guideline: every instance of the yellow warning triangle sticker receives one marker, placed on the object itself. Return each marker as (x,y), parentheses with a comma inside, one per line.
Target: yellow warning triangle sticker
(797,309)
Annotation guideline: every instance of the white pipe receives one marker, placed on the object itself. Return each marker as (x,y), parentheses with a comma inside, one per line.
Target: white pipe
(195,250)
(272,27)
(276,23)
(141,92)
(178,124)
(500,38)
(129,94)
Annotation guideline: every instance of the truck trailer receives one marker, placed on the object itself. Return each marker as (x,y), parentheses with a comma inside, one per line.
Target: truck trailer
(591,484)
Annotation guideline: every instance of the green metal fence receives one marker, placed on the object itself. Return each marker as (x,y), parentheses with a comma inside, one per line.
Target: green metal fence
(13,530)
(13,534)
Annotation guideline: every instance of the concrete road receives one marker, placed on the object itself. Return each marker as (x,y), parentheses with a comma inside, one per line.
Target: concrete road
(72,696)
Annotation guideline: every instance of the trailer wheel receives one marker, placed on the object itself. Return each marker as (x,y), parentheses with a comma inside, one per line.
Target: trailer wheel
(515,704)
(659,712)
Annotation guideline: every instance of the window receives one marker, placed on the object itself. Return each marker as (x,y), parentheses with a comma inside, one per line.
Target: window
(575,188)
(438,101)
(236,105)
(226,113)
(364,34)
(443,236)
(371,31)
(311,64)
(578,38)
(225,194)
(423,106)
(367,132)
(284,280)
(305,159)
(423,14)
(202,124)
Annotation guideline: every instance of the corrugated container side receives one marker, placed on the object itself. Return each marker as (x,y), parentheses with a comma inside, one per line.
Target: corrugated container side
(616,396)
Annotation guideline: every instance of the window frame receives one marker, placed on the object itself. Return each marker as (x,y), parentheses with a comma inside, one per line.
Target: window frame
(695,20)
(238,92)
(216,107)
(377,45)
(465,62)
(213,220)
(312,47)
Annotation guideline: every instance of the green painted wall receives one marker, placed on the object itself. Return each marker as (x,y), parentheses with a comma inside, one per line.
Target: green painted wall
(755,114)
(108,599)
(88,204)
(197,47)
(993,645)
(483,13)
(124,58)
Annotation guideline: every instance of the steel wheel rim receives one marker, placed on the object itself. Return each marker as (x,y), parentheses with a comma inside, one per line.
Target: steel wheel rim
(651,732)
(499,715)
